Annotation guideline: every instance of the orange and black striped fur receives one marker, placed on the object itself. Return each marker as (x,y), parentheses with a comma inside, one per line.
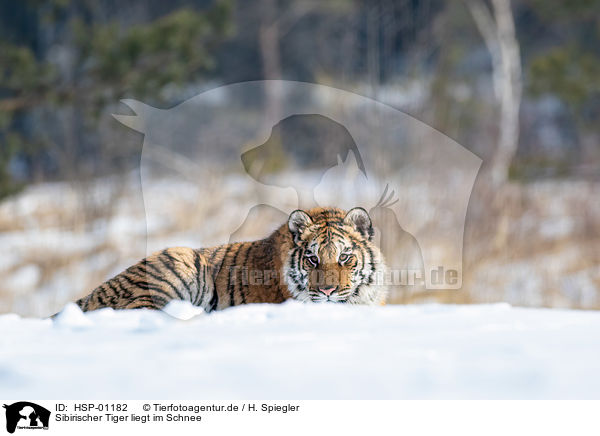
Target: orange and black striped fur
(320,255)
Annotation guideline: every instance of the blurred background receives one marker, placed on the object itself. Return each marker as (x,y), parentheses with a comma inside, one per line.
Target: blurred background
(515,82)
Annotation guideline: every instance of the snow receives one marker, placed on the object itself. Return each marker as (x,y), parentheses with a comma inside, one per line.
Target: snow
(24,278)
(304,351)
(58,241)
(183,310)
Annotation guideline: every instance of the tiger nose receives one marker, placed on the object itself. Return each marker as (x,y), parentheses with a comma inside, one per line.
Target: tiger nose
(328,290)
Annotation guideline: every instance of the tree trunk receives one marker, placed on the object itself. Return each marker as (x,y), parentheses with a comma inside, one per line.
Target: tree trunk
(498,32)
(271,62)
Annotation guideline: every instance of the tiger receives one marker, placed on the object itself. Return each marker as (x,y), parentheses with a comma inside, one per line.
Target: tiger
(320,255)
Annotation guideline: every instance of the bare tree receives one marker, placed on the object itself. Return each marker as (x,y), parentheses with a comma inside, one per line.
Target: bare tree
(269,36)
(497,27)
(276,21)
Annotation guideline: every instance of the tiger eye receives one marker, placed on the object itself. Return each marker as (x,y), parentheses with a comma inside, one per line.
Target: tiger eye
(312,259)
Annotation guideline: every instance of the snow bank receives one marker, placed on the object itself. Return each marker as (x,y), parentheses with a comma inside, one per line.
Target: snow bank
(303,351)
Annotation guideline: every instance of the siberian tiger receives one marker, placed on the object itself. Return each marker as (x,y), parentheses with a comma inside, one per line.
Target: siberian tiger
(320,255)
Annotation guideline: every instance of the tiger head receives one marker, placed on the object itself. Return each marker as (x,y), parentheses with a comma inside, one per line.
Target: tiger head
(333,258)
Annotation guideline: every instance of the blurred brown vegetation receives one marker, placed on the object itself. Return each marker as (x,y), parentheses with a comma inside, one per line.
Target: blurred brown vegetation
(67,170)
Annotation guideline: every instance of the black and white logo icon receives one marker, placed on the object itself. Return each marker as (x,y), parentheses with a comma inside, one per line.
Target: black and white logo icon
(26,415)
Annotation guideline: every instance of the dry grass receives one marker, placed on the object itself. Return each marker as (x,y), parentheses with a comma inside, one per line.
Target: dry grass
(533,245)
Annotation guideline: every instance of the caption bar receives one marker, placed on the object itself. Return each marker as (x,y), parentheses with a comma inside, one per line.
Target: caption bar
(45,418)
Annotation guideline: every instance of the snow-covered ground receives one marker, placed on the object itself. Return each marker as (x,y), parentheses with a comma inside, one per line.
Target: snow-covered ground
(58,241)
(304,351)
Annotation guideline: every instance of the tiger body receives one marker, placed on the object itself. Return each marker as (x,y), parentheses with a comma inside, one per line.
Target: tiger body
(324,254)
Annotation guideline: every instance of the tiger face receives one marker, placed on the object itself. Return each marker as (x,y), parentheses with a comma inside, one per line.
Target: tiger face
(333,258)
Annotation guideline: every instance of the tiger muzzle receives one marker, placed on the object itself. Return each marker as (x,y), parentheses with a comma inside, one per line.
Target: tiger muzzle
(328,290)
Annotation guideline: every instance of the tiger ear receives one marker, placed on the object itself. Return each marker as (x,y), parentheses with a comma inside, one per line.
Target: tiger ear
(297,223)
(360,220)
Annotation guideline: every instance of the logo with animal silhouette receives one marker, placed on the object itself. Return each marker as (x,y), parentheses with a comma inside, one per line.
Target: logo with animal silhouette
(25,415)
(245,168)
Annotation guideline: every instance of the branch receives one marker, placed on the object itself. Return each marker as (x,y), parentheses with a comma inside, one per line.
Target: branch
(16,103)
(11,104)
(486,24)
